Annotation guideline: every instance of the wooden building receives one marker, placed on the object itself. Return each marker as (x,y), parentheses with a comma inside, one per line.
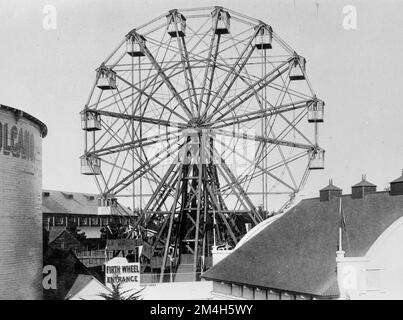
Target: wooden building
(60,208)
(298,256)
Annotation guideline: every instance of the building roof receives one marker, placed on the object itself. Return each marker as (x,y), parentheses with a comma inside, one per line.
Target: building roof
(79,284)
(297,252)
(364,183)
(400,179)
(42,127)
(56,232)
(68,267)
(330,187)
(72,203)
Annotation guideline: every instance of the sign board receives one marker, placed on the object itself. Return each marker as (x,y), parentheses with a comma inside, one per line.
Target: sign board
(118,270)
(123,244)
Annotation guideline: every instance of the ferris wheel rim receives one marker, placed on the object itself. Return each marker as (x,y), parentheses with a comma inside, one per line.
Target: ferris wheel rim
(167,113)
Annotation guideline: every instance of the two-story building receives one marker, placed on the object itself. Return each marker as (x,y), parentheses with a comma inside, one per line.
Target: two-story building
(87,211)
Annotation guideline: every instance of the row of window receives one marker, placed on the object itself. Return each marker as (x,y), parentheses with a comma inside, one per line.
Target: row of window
(81,221)
(246,292)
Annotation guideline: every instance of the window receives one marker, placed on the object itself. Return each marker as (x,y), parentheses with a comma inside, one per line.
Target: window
(221,287)
(287,296)
(260,294)
(83,221)
(94,221)
(73,220)
(60,221)
(273,295)
(236,290)
(247,292)
(104,221)
(48,221)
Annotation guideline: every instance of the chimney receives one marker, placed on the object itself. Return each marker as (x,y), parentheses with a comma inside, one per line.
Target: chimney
(329,192)
(396,186)
(359,190)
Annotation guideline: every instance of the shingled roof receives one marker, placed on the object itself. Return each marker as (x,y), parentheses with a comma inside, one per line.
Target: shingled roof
(71,203)
(330,187)
(297,252)
(400,179)
(364,183)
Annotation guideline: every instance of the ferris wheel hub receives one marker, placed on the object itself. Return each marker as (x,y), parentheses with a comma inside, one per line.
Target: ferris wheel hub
(196,122)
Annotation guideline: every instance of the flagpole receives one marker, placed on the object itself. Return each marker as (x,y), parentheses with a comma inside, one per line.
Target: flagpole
(340,227)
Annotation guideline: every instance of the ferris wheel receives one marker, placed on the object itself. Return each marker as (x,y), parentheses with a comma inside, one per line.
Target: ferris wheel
(202,110)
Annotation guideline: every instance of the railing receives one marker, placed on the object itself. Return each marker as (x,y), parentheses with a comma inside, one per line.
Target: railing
(152,278)
(94,258)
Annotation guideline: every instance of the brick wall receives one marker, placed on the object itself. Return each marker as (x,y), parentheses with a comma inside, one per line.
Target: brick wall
(20,208)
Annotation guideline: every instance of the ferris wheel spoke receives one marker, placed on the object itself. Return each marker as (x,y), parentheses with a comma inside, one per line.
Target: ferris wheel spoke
(152,81)
(234,72)
(164,77)
(236,187)
(254,115)
(211,65)
(255,92)
(187,71)
(142,142)
(113,134)
(123,183)
(274,141)
(114,164)
(260,168)
(152,98)
(139,118)
(288,129)
(255,87)
(121,167)
(243,178)
(285,163)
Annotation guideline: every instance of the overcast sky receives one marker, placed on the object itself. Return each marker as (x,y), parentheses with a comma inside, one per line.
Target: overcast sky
(358,73)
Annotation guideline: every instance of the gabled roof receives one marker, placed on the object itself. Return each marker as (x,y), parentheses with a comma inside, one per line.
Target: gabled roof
(80,283)
(56,232)
(68,267)
(297,252)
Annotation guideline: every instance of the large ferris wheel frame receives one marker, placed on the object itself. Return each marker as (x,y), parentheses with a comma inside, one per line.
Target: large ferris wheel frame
(175,102)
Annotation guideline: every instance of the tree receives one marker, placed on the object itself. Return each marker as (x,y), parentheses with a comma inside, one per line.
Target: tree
(117,294)
(73,229)
(113,231)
